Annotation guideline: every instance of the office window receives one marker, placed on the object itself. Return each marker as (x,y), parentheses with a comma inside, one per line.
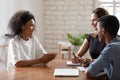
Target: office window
(113,7)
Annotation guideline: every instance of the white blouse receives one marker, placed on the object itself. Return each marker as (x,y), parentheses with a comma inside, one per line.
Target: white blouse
(20,49)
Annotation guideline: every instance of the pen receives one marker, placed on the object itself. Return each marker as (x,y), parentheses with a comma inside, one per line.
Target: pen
(74,55)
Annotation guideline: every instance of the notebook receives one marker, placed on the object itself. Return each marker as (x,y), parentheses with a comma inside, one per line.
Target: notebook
(69,63)
(66,72)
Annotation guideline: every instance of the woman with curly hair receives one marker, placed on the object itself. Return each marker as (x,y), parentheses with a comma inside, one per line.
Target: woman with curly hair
(25,49)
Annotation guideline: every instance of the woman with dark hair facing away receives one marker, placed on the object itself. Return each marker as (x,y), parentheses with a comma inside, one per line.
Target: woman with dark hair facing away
(25,49)
(91,42)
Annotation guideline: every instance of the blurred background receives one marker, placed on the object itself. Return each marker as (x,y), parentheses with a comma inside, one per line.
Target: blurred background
(56,18)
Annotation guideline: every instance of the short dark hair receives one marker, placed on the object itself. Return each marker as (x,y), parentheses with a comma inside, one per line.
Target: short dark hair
(18,19)
(100,12)
(110,23)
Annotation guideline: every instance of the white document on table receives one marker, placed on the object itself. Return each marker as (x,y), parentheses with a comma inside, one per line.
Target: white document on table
(69,63)
(81,68)
(66,72)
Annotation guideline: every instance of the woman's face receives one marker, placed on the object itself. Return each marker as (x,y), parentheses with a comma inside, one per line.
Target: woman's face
(28,28)
(94,20)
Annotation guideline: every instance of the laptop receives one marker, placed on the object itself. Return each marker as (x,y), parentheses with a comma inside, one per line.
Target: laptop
(66,72)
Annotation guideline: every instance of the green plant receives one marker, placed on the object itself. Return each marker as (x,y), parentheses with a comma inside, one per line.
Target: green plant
(76,41)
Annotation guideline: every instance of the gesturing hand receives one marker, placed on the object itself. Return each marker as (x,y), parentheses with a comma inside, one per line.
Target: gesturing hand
(47,57)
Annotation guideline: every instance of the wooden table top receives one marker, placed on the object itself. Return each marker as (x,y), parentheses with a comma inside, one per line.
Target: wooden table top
(39,73)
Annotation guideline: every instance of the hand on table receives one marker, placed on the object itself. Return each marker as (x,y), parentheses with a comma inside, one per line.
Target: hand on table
(77,60)
(47,57)
(86,62)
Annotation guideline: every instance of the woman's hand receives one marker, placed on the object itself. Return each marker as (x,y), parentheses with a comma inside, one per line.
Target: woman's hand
(77,60)
(47,57)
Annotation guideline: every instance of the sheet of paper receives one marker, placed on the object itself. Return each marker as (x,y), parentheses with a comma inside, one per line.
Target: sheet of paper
(81,68)
(69,63)
(66,72)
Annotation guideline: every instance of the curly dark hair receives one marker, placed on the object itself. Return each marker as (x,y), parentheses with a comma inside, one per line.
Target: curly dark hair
(100,12)
(18,19)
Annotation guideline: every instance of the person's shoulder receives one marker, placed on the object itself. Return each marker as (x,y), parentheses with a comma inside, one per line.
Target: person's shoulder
(113,44)
(89,36)
(34,38)
(93,35)
(15,39)
(115,41)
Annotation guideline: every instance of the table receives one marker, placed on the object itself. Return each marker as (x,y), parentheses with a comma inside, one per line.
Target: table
(39,73)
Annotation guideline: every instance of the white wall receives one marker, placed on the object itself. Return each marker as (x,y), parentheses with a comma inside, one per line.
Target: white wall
(9,7)
(65,16)
(54,18)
